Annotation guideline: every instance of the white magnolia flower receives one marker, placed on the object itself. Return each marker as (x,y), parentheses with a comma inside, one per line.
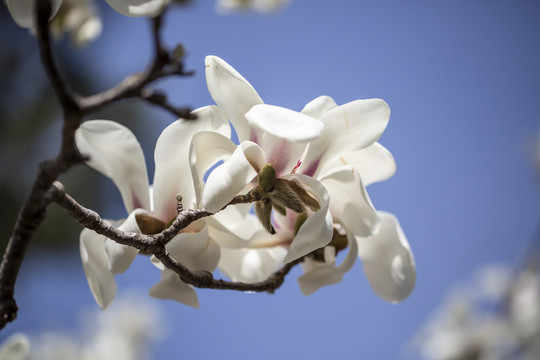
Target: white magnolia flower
(271,138)
(262,6)
(22,11)
(115,152)
(343,156)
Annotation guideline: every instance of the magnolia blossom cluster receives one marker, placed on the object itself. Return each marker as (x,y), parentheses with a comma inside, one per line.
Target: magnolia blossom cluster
(310,169)
(496,316)
(125,332)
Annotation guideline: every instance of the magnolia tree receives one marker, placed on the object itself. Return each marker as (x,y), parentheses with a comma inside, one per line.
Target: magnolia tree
(291,191)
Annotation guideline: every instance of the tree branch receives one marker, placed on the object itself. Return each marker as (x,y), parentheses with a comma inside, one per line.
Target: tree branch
(33,210)
(155,244)
(136,85)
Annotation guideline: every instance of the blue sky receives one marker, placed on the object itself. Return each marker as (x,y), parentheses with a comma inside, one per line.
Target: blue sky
(463,81)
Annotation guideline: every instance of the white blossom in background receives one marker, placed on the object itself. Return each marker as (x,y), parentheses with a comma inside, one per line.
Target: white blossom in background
(114,151)
(80,19)
(125,332)
(22,11)
(495,317)
(332,152)
(261,6)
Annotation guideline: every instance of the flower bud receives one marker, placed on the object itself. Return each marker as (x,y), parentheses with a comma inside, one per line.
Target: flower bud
(267,177)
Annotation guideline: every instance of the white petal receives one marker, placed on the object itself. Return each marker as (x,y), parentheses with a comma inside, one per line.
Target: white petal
(388,260)
(323,275)
(172,159)
(347,128)
(285,123)
(374,163)
(22,11)
(171,287)
(115,152)
(229,178)
(96,267)
(319,106)
(138,7)
(350,204)
(283,134)
(195,250)
(234,227)
(250,265)
(317,230)
(121,256)
(320,274)
(207,149)
(15,347)
(232,93)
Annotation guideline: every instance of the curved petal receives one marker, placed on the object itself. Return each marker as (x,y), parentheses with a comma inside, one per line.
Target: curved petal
(320,275)
(232,93)
(234,226)
(170,287)
(121,256)
(349,127)
(115,152)
(15,347)
(285,123)
(138,8)
(229,178)
(317,230)
(172,159)
(388,260)
(319,106)
(250,265)
(349,202)
(207,149)
(22,11)
(96,267)
(374,163)
(195,249)
(283,134)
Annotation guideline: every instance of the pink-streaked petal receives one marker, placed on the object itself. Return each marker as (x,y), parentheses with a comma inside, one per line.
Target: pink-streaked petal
(250,265)
(388,260)
(374,163)
(121,256)
(171,287)
(22,11)
(319,106)
(172,160)
(232,93)
(349,201)
(283,134)
(231,177)
(318,274)
(96,267)
(349,127)
(138,8)
(207,149)
(115,152)
(317,230)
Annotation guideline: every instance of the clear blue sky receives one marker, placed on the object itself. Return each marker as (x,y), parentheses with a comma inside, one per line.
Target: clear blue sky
(463,81)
